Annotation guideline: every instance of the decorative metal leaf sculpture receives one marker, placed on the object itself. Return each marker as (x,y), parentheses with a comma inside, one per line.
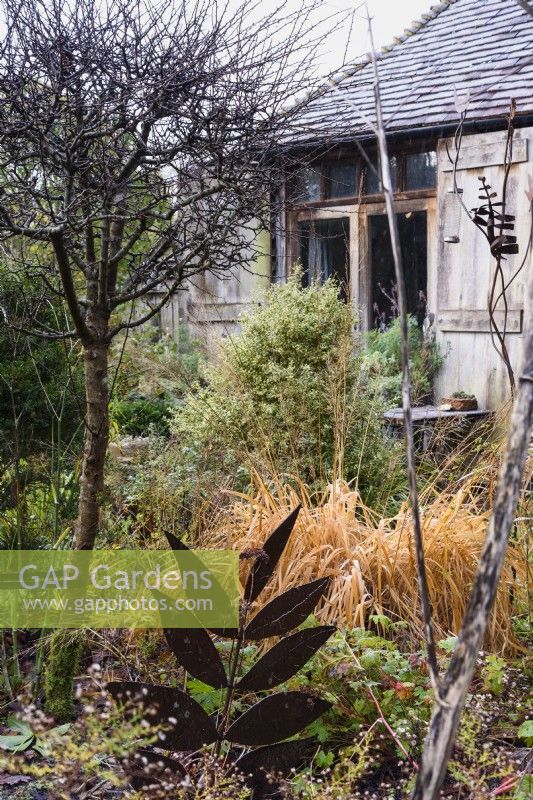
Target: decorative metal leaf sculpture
(492,222)
(188,727)
(195,651)
(287,611)
(146,768)
(263,569)
(177,544)
(275,758)
(174,542)
(276,717)
(284,660)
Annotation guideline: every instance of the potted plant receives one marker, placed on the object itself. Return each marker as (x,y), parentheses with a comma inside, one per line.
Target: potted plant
(461,401)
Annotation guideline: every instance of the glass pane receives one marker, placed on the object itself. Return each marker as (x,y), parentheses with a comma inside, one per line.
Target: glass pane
(412,228)
(421,170)
(307,185)
(324,251)
(373,184)
(341,180)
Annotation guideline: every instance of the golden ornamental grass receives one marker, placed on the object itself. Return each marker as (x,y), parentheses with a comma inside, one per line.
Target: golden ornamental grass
(371,561)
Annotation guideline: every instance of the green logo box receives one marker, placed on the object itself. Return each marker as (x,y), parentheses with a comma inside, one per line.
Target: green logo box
(119,589)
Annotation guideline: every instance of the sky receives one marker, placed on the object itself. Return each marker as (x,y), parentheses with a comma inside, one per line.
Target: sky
(389,18)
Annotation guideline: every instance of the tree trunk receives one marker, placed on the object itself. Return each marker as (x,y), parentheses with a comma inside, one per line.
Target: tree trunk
(95,443)
(446,714)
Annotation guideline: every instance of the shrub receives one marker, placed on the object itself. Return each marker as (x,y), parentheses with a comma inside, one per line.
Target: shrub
(41,513)
(383,362)
(289,396)
(151,378)
(41,381)
(141,416)
(164,368)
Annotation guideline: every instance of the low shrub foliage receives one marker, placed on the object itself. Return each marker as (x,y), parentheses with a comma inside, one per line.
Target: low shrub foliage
(289,395)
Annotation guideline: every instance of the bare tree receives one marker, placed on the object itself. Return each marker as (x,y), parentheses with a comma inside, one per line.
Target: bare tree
(135,152)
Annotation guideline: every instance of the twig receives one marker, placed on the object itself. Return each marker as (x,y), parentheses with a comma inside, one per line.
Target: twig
(390,730)
(406,383)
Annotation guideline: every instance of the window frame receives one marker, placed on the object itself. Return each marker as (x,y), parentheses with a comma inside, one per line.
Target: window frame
(340,211)
(402,206)
(355,157)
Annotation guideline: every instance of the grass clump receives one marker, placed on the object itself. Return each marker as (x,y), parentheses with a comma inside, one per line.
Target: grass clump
(371,558)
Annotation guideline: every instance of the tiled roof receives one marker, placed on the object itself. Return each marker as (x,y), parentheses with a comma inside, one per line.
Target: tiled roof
(480,49)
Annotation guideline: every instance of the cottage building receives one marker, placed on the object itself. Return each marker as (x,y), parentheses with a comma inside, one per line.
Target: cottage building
(447,85)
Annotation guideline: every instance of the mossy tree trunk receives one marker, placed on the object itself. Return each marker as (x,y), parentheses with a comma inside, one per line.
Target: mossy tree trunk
(63,665)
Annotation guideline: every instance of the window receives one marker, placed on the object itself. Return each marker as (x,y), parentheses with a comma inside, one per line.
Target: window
(307,185)
(325,251)
(341,180)
(373,183)
(421,170)
(412,228)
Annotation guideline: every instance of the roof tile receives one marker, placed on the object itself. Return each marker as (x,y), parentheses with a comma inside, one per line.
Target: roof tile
(484,47)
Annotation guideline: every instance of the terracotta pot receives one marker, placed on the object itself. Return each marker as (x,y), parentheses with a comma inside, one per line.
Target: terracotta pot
(461,403)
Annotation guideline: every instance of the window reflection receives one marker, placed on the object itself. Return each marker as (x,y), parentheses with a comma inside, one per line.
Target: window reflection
(341,180)
(421,170)
(373,182)
(307,185)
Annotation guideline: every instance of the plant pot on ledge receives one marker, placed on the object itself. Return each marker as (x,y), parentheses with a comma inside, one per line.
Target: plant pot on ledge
(460,401)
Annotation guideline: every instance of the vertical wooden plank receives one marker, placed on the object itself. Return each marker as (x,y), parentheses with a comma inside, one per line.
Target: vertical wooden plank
(354,261)
(432,246)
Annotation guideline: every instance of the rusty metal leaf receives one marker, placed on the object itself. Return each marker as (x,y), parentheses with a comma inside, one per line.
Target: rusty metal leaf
(146,768)
(187,726)
(504,226)
(195,651)
(174,542)
(177,544)
(275,758)
(263,569)
(287,611)
(226,633)
(275,718)
(284,660)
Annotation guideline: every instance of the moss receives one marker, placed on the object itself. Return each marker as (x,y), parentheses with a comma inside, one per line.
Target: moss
(63,664)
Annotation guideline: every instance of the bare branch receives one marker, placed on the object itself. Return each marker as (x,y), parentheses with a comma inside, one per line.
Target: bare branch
(406,383)
(445,717)
(525,5)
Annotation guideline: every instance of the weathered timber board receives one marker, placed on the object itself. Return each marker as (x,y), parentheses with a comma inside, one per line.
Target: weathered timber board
(477,320)
(488,154)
